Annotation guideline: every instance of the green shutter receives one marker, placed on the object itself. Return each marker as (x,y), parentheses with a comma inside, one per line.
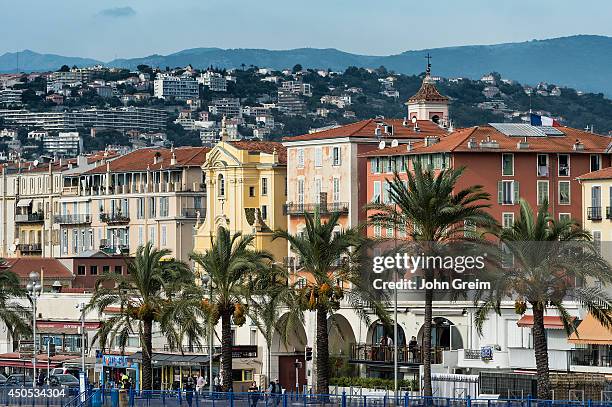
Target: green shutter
(500,192)
(517,195)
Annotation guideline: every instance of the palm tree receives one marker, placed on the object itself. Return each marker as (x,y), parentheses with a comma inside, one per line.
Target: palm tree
(544,259)
(13,315)
(143,296)
(430,210)
(231,262)
(331,260)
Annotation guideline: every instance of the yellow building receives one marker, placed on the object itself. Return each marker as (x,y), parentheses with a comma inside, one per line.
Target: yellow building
(246,183)
(597,208)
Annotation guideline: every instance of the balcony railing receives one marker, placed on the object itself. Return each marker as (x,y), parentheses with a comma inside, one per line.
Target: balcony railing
(72,219)
(591,357)
(594,213)
(114,218)
(325,208)
(382,354)
(192,213)
(30,217)
(120,249)
(29,247)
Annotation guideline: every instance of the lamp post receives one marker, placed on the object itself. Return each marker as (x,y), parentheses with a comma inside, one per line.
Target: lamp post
(34,289)
(206,281)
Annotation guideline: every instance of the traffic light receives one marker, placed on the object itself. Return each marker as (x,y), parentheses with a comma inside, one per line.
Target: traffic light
(308,353)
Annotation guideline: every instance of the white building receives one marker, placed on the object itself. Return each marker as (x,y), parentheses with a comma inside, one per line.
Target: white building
(37,134)
(338,101)
(10,97)
(297,87)
(229,107)
(173,87)
(63,143)
(214,81)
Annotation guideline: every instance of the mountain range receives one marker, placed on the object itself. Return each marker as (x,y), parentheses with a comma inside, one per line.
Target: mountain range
(582,61)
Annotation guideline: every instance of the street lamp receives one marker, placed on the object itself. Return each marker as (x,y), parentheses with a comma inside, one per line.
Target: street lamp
(206,281)
(34,289)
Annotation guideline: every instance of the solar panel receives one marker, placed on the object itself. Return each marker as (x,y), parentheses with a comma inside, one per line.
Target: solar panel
(525,130)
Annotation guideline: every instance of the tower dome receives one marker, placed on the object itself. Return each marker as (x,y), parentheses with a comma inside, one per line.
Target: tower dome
(428,103)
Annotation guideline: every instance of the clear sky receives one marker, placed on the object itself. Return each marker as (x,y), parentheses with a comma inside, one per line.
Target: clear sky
(105,29)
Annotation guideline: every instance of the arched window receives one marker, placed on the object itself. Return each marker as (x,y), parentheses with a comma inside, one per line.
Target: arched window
(435,118)
(221,186)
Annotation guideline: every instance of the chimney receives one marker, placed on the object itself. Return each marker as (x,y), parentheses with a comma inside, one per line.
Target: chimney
(523,145)
(578,146)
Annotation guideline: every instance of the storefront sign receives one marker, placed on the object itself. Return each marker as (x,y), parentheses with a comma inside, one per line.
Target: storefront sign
(115,361)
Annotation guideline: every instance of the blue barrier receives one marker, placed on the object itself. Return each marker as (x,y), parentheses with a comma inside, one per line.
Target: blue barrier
(174,398)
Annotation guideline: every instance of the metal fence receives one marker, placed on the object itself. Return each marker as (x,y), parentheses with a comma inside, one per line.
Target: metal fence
(157,398)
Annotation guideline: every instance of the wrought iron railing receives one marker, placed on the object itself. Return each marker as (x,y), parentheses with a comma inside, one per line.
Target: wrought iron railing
(322,208)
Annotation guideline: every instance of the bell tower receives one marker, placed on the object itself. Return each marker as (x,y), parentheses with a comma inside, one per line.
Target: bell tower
(428,103)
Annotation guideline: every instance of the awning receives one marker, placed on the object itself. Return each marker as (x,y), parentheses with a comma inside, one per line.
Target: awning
(591,332)
(550,322)
(24,202)
(173,359)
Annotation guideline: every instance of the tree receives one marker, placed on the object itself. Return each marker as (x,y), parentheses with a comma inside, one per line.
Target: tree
(432,212)
(231,264)
(143,296)
(297,68)
(64,68)
(13,315)
(331,259)
(543,260)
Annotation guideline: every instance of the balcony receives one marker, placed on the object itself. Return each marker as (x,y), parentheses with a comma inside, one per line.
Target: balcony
(383,355)
(72,219)
(30,248)
(593,357)
(36,217)
(117,249)
(594,213)
(322,208)
(192,213)
(114,218)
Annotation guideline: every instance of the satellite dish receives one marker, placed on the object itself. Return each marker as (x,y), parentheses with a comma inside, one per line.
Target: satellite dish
(394,143)
(381,145)
(413,120)
(35,163)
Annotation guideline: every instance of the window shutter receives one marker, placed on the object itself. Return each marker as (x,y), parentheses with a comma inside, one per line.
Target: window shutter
(500,192)
(516,192)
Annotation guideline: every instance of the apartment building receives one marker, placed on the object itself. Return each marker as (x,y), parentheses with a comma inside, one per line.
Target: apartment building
(290,103)
(122,119)
(247,181)
(229,107)
(10,97)
(63,143)
(297,87)
(213,80)
(166,86)
(149,195)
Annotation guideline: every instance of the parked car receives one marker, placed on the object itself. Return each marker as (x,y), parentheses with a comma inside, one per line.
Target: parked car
(2,379)
(64,380)
(66,370)
(19,380)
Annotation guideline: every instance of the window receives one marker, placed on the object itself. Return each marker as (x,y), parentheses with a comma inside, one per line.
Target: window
(565,217)
(564,193)
(389,232)
(336,190)
(508,220)
(75,241)
(93,270)
(152,235)
(164,236)
(542,165)
(264,212)
(595,162)
(152,207)
(318,161)
(507,192)
(251,191)
(64,241)
(81,270)
(118,270)
(300,158)
(264,186)
(508,164)
(140,236)
(376,192)
(336,156)
(387,192)
(564,165)
(317,190)
(105,269)
(253,337)
(542,192)
(375,165)
(300,189)
(164,206)
(377,230)
(389,164)
(596,196)
(221,186)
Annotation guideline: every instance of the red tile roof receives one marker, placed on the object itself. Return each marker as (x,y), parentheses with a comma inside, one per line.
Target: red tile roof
(49,268)
(141,160)
(459,139)
(605,173)
(367,128)
(428,92)
(264,147)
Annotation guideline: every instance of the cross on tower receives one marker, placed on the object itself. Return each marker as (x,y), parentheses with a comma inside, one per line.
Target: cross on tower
(428,58)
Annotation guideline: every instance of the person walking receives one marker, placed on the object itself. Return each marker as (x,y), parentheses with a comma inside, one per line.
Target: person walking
(254,394)
(188,388)
(200,383)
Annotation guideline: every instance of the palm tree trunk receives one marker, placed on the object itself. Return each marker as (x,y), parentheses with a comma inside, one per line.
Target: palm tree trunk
(147,349)
(427,391)
(226,349)
(322,352)
(541,352)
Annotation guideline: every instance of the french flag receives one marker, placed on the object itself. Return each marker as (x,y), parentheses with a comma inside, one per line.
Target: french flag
(537,120)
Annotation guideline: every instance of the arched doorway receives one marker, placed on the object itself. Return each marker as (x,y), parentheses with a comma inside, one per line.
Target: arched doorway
(444,334)
(340,339)
(377,331)
(285,353)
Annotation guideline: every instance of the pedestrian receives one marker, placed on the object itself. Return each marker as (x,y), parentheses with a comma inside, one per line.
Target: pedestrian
(254,394)
(188,388)
(216,383)
(200,383)
(412,348)
(275,390)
